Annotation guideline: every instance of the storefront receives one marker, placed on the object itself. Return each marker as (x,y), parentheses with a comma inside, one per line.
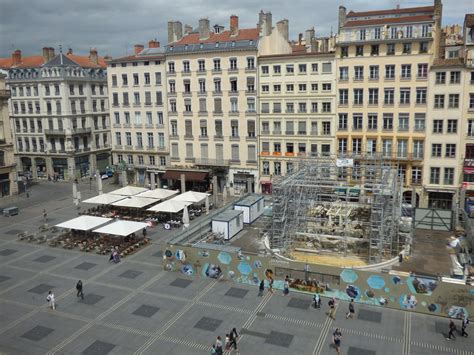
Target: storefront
(440,199)
(266,187)
(41,168)
(82,165)
(103,161)
(242,182)
(195,180)
(5,184)
(60,168)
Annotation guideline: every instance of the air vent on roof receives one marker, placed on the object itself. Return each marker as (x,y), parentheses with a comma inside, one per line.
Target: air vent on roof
(201,45)
(251,42)
(233,43)
(217,44)
(185,47)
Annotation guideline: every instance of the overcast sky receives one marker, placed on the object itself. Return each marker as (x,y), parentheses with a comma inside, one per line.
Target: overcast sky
(114,26)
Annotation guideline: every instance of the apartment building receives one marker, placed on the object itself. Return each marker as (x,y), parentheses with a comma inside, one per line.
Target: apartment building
(444,126)
(211,87)
(297,96)
(59,113)
(467,106)
(383,62)
(139,116)
(8,177)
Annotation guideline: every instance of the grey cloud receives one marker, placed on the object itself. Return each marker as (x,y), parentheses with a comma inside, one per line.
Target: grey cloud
(113,26)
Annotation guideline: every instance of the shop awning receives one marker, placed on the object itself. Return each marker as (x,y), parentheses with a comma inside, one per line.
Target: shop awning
(121,228)
(468,170)
(161,194)
(84,223)
(191,196)
(128,191)
(189,175)
(135,202)
(104,199)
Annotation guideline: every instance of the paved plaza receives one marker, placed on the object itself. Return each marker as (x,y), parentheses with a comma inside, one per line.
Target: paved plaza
(136,307)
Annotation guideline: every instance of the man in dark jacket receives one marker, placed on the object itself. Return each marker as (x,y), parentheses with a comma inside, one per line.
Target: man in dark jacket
(79,289)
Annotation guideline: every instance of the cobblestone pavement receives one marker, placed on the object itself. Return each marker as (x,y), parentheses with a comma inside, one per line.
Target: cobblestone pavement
(135,307)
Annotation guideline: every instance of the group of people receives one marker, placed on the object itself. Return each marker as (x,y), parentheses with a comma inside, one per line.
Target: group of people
(51,298)
(229,344)
(452,328)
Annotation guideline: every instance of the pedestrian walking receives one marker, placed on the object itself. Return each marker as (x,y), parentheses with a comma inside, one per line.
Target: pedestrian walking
(219,345)
(464,324)
(45,215)
(51,299)
(261,288)
(270,285)
(317,301)
(452,328)
(233,335)
(213,349)
(79,289)
(350,314)
(332,307)
(336,338)
(144,232)
(227,342)
(286,286)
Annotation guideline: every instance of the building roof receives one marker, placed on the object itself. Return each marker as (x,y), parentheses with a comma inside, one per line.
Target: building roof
(389,20)
(146,54)
(38,61)
(469,20)
(227,216)
(400,11)
(249,200)
(245,34)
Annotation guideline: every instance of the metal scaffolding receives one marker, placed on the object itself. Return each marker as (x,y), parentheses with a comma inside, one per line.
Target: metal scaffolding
(350,199)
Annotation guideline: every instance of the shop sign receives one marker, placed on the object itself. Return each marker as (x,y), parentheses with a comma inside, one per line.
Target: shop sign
(345,163)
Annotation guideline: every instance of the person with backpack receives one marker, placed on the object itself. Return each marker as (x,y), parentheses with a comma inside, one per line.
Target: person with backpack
(336,338)
(261,288)
(464,324)
(79,289)
(351,312)
(452,328)
(317,301)
(286,286)
(332,307)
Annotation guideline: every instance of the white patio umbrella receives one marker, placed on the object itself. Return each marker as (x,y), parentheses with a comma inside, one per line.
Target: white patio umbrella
(170,206)
(128,191)
(191,196)
(185,218)
(161,194)
(104,199)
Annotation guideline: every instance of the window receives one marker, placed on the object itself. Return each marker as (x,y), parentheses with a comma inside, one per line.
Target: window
(440,78)
(276,107)
(343,96)
(390,48)
(344,51)
(290,107)
(425,30)
(358,96)
(277,168)
(374,72)
(147,78)
(406,71)
(289,87)
(402,148)
(128,137)
(359,51)
(357,121)
(327,67)
(326,87)
(187,86)
(265,88)
(342,145)
(356,145)
(186,68)
(276,69)
(387,147)
(390,71)
(423,47)
(217,86)
(148,98)
(127,117)
(343,73)
(151,159)
(250,104)
(151,143)
(276,127)
(234,125)
(314,87)
(171,67)
(187,106)
(358,73)
(326,107)
(157,78)
(250,63)
(373,96)
(374,49)
(189,151)
(276,88)
(233,84)
(439,101)
(377,32)
(234,106)
(118,138)
(175,151)
(403,122)
(130,159)
(422,71)
(188,128)
(202,86)
(448,176)
(404,96)
(342,121)
(326,128)
(233,64)
(436,150)
(450,150)
(135,79)
(302,68)
(251,129)
(218,128)
(265,69)
(362,33)
(471,101)
(452,126)
(418,147)
(139,140)
(387,121)
(372,118)
(314,67)
(136,97)
(455,77)
(419,122)
(217,64)
(371,146)
(421,96)
(314,127)
(437,126)
(201,65)
(203,128)
(406,48)
(453,100)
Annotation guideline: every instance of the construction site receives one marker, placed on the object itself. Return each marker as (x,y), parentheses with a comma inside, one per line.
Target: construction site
(341,212)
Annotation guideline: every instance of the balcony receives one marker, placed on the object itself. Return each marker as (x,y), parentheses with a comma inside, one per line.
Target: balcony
(55,132)
(82,130)
(5,94)
(212,162)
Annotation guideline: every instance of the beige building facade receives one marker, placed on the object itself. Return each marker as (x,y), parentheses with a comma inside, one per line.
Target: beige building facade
(137,93)
(211,92)
(383,62)
(8,176)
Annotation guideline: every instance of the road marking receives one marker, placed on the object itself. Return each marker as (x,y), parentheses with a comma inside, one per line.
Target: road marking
(324,333)
(442,348)
(406,333)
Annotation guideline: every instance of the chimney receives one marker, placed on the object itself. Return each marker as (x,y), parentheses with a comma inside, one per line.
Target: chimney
(170,31)
(188,29)
(282,27)
(234,25)
(309,40)
(398,6)
(69,51)
(45,54)
(265,22)
(204,29)
(342,17)
(178,30)
(153,44)
(51,54)
(107,57)
(138,48)
(93,56)
(300,38)
(16,58)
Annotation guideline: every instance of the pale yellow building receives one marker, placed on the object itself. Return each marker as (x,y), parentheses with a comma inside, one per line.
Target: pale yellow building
(211,87)
(8,177)
(138,113)
(383,61)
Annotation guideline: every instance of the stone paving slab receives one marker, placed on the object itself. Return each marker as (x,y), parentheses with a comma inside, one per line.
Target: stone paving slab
(15,276)
(164,347)
(124,342)
(14,251)
(22,339)
(114,275)
(150,254)
(84,267)
(218,295)
(43,259)
(167,309)
(11,312)
(163,285)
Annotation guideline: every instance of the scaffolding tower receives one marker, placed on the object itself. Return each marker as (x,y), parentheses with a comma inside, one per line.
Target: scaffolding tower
(324,193)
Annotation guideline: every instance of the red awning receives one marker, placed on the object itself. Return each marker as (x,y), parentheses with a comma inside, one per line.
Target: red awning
(188,175)
(468,170)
